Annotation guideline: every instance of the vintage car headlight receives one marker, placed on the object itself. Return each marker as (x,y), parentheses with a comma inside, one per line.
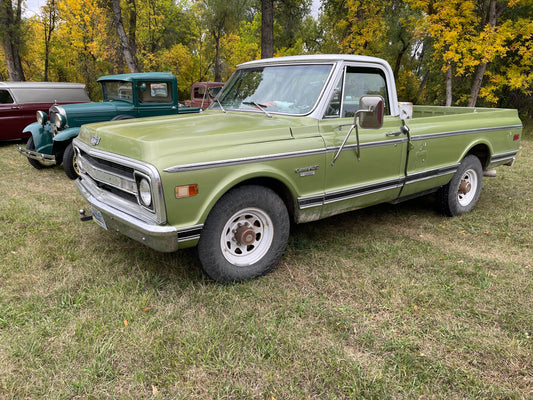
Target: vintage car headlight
(145,193)
(42,118)
(60,121)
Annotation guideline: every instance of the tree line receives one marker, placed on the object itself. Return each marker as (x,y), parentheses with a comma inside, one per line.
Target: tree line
(446,52)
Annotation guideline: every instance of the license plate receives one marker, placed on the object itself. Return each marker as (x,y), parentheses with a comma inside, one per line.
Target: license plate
(98,218)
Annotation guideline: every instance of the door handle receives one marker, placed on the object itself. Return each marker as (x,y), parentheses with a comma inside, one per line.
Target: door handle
(397,133)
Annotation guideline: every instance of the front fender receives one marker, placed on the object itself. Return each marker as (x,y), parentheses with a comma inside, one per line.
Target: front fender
(42,136)
(67,134)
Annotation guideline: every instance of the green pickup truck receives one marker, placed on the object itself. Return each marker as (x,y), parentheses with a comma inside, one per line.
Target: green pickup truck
(287,139)
(125,96)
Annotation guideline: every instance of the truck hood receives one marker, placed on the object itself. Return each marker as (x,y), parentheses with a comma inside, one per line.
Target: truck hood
(207,136)
(85,113)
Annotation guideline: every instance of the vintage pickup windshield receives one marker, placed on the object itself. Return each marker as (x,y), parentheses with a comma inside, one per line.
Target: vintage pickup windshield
(287,89)
(117,90)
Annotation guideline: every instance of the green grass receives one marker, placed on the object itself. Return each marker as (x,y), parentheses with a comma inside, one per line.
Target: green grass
(390,302)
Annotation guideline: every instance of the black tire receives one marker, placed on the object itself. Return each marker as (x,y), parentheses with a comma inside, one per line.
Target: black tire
(30,145)
(244,235)
(122,117)
(70,162)
(461,194)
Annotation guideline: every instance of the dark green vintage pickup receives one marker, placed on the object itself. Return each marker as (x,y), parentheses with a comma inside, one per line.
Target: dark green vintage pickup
(125,96)
(292,138)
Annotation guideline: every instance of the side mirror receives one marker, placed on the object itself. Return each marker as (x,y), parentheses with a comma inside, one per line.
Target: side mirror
(371,111)
(370,114)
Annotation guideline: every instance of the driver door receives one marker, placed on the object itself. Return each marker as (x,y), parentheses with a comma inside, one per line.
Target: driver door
(372,171)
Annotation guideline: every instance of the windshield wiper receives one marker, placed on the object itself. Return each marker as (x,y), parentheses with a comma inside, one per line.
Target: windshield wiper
(258,105)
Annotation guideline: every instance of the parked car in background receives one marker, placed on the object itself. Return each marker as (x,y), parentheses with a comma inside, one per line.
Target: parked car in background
(200,94)
(19,101)
(125,96)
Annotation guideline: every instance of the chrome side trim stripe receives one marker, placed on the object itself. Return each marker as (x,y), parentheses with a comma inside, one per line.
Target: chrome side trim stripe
(462,132)
(503,156)
(189,233)
(244,160)
(303,153)
(357,191)
(432,173)
(351,193)
(279,156)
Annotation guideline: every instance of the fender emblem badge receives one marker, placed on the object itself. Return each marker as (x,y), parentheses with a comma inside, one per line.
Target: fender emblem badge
(95,140)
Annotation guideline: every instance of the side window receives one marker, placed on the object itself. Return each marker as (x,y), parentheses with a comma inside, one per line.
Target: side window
(155,92)
(5,97)
(357,82)
(199,92)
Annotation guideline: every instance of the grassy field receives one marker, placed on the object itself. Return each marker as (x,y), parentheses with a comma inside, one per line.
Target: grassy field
(391,302)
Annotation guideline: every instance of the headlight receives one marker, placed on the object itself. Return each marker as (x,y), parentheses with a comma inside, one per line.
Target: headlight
(42,117)
(145,194)
(60,121)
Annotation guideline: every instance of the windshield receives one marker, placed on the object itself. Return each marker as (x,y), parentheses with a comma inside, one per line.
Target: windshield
(288,89)
(117,90)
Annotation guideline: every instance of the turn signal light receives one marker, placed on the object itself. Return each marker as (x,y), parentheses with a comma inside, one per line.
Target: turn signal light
(186,191)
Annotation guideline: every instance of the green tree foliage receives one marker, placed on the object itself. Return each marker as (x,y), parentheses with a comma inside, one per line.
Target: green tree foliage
(463,52)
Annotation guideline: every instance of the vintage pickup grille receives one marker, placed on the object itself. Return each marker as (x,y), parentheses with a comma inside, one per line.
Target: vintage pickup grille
(114,179)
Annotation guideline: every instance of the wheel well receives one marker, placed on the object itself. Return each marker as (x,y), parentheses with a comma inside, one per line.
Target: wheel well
(278,187)
(482,152)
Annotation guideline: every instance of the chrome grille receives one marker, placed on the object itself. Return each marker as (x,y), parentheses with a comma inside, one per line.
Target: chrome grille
(115,178)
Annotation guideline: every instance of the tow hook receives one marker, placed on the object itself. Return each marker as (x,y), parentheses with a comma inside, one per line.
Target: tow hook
(84,216)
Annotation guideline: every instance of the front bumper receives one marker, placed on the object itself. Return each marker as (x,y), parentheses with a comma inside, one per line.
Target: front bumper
(44,158)
(162,238)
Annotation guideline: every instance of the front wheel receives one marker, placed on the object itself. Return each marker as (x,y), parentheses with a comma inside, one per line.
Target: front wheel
(30,145)
(245,234)
(461,194)
(70,162)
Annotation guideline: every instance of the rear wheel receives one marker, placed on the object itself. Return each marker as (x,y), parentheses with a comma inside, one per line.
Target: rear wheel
(245,234)
(30,145)
(461,194)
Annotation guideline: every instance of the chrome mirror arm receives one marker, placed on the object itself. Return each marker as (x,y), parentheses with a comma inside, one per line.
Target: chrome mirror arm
(354,125)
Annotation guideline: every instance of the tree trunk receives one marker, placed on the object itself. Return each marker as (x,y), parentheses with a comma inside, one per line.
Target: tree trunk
(218,63)
(267,28)
(49,23)
(128,48)
(405,46)
(449,84)
(494,12)
(11,41)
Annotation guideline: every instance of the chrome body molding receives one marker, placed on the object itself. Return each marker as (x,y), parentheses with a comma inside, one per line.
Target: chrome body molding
(190,233)
(462,132)
(430,173)
(244,160)
(363,190)
(503,159)
(44,158)
(273,157)
(279,156)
